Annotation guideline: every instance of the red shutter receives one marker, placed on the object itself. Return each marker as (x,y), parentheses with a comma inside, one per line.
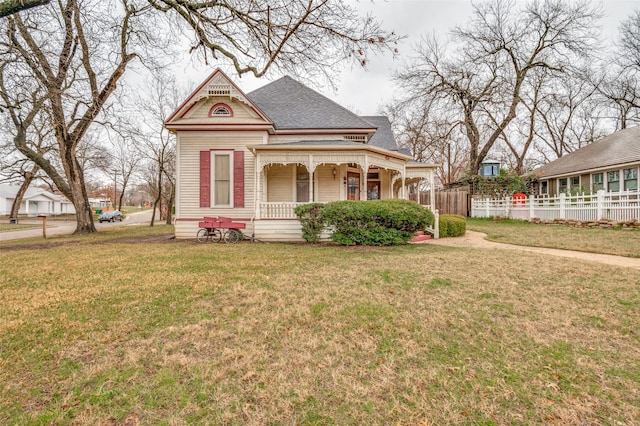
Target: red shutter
(205,179)
(238,179)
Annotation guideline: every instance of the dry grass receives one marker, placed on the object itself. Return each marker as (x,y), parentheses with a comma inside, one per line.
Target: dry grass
(5,227)
(117,329)
(618,242)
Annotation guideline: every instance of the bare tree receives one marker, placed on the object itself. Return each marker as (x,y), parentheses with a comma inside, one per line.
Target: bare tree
(78,52)
(630,41)
(65,58)
(619,83)
(306,38)
(25,171)
(161,97)
(431,137)
(123,160)
(9,7)
(497,54)
(27,122)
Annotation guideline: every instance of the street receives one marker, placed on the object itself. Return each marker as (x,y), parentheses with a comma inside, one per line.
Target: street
(66,227)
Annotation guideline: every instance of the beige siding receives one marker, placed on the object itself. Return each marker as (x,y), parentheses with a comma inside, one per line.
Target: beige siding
(281,230)
(280,184)
(189,147)
(327,187)
(278,230)
(241,112)
(385,184)
(263,230)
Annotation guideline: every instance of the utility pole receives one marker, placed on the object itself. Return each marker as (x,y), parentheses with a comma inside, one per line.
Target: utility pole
(115,187)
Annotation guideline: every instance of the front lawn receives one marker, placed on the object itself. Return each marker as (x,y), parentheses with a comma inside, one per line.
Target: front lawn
(618,242)
(128,327)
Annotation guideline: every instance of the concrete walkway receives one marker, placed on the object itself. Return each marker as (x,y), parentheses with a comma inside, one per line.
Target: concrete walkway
(477,240)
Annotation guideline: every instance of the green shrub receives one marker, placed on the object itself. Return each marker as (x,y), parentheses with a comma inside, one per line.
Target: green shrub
(310,216)
(378,222)
(452,225)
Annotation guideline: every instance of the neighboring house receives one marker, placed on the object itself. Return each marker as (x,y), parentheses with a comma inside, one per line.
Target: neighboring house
(36,201)
(610,163)
(98,203)
(490,168)
(254,157)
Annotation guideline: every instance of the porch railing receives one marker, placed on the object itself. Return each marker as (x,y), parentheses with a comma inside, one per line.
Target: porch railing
(284,210)
(620,206)
(278,210)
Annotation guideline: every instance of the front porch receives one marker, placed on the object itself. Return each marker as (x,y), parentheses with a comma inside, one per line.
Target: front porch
(285,180)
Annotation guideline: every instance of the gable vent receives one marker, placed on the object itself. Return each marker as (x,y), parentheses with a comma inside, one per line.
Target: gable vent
(219,90)
(356,138)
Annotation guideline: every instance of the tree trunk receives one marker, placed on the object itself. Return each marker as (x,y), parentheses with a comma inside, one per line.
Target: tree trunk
(78,191)
(156,203)
(170,202)
(9,7)
(15,207)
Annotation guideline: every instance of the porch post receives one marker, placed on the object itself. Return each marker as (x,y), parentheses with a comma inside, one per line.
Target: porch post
(258,190)
(432,191)
(404,183)
(311,170)
(363,194)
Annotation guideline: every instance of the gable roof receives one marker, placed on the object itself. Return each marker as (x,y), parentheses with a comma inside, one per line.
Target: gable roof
(292,105)
(619,148)
(10,191)
(217,84)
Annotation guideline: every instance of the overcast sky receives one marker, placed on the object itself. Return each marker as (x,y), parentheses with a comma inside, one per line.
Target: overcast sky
(364,91)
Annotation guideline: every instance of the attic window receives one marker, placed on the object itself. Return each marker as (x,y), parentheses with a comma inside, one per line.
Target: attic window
(221,110)
(356,138)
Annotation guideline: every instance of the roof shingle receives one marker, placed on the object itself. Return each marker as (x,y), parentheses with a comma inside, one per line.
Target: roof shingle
(618,148)
(383,137)
(292,105)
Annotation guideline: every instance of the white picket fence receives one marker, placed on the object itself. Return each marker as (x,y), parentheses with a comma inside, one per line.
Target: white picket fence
(620,206)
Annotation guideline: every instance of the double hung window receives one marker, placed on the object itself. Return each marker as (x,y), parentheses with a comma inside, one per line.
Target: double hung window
(563,185)
(613,181)
(222,175)
(630,179)
(597,182)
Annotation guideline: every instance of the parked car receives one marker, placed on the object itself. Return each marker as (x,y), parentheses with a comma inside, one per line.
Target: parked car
(111,216)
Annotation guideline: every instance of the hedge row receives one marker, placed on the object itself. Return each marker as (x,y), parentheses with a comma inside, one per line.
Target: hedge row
(452,225)
(377,222)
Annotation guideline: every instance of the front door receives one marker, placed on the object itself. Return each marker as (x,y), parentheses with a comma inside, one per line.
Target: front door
(373,190)
(353,186)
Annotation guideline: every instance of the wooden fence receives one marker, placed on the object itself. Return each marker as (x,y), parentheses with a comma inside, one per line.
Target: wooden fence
(454,202)
(620,206)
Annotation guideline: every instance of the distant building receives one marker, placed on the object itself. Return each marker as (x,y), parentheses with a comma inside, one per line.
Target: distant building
(36,201)
(610,163)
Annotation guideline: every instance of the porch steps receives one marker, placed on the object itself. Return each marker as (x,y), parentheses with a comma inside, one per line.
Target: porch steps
(420,236)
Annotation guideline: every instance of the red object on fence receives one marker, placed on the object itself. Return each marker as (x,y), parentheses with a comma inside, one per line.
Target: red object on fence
(519,199)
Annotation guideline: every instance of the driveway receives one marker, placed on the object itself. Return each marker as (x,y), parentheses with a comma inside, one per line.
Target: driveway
(66,227)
